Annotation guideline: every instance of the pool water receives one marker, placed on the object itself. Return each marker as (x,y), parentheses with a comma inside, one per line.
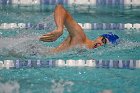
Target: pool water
(23,44)
(70,80)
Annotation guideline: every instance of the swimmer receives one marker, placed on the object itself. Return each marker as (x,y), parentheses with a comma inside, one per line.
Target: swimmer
(76,35)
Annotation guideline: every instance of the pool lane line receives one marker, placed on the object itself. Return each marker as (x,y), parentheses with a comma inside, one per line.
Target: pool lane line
(90,26)
(118,64)
(71,2)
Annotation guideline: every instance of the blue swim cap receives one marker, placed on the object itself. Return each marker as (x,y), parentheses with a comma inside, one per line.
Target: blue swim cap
(111,37)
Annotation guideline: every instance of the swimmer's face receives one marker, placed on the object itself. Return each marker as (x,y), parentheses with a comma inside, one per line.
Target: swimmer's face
(100,41)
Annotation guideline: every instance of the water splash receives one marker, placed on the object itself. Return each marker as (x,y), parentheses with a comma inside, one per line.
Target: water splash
(60,86)
(22,47)
(9,87)
(49,22)
(123,45)
(26,42)
(106,91)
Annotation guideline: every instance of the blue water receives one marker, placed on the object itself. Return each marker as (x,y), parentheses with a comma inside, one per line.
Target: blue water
(70,80)
(23,44)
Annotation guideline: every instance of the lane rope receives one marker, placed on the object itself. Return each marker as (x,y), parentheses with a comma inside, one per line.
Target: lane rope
(119,64)
(90,26)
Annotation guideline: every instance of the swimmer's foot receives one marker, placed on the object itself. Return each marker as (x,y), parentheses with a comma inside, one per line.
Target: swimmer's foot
(51,36)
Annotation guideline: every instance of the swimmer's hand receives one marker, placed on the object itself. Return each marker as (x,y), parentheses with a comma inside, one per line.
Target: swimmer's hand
(51,36)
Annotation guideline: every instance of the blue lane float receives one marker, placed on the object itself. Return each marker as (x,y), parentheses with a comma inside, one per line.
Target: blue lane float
(66,2)
(35,64)
(60,2)
(5,2)
(107,26)
(118,64)
(47,2)
(32,2)
(28,25)
(53,2)
(110,2)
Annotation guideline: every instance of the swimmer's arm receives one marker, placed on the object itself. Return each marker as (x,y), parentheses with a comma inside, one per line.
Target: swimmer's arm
(59,20)
(63,46)
(51,36)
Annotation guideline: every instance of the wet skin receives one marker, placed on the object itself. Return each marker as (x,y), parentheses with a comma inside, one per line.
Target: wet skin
(76,35)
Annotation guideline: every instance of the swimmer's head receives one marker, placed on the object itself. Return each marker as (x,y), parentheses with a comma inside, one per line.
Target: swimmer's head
(104,39)
(112,38)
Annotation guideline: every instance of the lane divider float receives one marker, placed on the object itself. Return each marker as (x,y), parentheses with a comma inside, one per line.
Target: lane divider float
(90,26)
(78,2)
(119,64)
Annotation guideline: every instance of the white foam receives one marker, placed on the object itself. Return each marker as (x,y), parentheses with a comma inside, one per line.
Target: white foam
(9,87)
(123,45)
(60,86)
(22,45)
(107,91)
